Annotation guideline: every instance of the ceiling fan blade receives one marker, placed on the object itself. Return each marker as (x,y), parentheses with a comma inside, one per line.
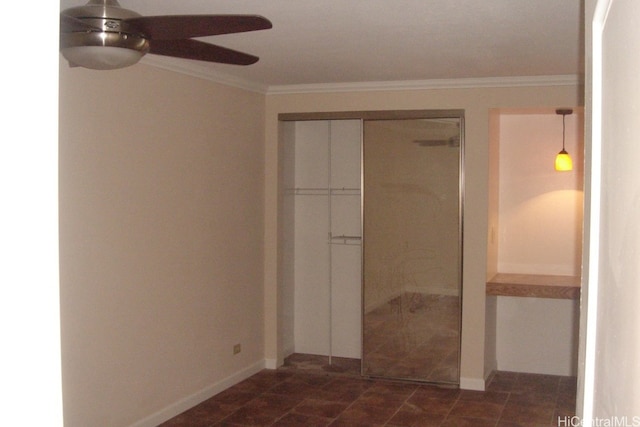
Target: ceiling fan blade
(174,27)
(194,49)
(450,142)
(431,142)
(69,24)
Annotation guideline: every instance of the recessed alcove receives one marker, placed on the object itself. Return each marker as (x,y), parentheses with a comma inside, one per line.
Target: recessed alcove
(534,241)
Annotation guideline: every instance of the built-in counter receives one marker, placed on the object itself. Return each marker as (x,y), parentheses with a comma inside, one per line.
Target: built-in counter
(534,285)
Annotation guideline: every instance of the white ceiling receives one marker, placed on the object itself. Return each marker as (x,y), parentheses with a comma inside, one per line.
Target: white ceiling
(316,42)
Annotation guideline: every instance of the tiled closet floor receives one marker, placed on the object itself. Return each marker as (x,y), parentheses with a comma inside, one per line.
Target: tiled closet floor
(304,394)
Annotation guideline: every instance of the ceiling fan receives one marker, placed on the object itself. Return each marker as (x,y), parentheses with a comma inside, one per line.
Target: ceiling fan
(102,35)
(454,142)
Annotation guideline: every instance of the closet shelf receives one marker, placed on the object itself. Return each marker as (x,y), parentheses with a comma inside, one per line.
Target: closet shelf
(534,285)
(345,240)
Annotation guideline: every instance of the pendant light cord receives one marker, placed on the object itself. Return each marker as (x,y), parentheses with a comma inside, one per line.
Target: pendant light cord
(563,117)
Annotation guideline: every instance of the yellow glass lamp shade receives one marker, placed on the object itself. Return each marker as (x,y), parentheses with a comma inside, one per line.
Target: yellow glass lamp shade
(563,161)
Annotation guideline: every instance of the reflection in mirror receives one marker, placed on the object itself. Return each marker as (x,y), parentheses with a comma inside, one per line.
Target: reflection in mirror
(412,249)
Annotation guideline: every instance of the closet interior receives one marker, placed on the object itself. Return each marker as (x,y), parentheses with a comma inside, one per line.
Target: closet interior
(324,257)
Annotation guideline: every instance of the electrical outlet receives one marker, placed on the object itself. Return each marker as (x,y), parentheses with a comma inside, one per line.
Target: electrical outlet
(237,349)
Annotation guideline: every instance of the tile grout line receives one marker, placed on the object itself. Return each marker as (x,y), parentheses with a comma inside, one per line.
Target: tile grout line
(330,420)
(401,405)
(452,406)
(504,407)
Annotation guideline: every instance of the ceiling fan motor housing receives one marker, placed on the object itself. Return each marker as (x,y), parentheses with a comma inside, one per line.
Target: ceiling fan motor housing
(109,33)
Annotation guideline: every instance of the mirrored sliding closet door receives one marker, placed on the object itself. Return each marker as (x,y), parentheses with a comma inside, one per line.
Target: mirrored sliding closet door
(412,246)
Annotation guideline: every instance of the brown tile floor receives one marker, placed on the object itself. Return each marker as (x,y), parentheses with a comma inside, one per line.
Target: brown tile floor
(301,395)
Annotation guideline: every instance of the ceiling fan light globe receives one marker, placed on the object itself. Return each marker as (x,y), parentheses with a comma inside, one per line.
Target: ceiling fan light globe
(103,50)
(101,57)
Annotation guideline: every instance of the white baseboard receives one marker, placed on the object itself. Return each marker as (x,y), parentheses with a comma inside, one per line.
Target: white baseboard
(182,405)
(271,363)
(477,384)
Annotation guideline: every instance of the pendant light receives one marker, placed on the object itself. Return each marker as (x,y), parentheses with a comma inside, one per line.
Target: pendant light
(563,160)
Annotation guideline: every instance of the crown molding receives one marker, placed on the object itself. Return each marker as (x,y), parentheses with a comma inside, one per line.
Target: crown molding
(203,71)
(462,83)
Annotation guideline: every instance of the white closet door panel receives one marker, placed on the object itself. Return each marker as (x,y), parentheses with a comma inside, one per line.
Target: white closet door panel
(312,293)
(345,153)
(346,273)
(312,154)
(345,215)
(346,301)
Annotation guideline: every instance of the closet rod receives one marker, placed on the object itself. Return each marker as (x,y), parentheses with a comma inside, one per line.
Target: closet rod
(345,240)
(346,237)
(324,191)
(344,189)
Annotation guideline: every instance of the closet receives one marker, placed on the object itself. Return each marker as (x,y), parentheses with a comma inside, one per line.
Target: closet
(370,246)
(323,196)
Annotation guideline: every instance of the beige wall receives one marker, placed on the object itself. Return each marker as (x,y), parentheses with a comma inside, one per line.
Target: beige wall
(161,227)
(540,211)
(477,104)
